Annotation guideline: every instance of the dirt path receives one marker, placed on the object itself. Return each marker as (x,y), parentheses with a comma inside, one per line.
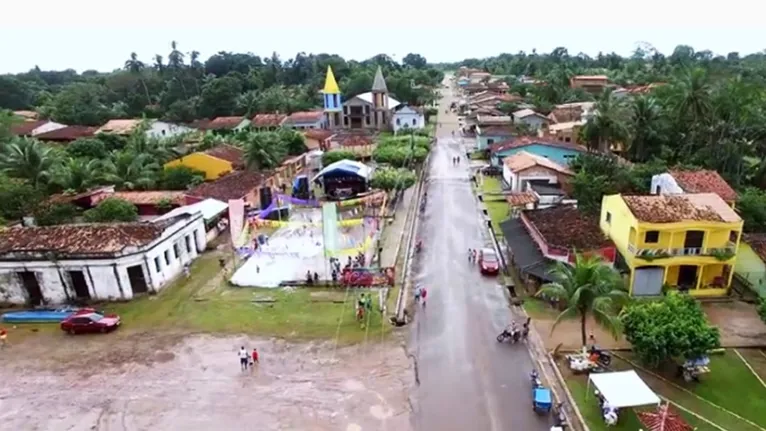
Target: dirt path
(138,382)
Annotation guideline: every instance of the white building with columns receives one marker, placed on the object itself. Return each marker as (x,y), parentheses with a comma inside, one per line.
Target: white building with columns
(106,261)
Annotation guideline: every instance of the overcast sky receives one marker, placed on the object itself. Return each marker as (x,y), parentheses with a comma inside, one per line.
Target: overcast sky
(90,34)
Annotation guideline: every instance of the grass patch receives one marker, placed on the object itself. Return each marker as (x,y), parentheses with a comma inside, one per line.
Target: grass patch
(479,155)
(204,303)
(491,184)
(538,309)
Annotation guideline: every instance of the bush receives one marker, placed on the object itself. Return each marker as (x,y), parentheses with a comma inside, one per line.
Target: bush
(331,157)
(390,179)
(181,178)
(54,214)
(399,156)
(112,210)
(674,328)
(87,148)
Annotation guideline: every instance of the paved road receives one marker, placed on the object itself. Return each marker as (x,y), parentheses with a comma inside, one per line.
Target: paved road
(468,381)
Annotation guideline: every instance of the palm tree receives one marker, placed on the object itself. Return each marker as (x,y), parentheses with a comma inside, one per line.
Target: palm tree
(28,159)
(78,174)
(691,96)
(607,125)
(646,129)
(263,150)
(128,170)
(158,64)
(587,288)
(136,67)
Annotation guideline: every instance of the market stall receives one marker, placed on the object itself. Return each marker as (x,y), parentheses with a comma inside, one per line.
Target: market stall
(619,390)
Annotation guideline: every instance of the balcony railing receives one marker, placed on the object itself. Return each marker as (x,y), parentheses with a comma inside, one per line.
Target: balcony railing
(658,252)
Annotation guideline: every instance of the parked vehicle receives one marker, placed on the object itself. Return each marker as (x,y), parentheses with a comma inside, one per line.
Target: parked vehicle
(90,323)
(488,262)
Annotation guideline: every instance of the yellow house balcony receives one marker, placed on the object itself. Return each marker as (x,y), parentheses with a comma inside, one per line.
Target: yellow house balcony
(725,253)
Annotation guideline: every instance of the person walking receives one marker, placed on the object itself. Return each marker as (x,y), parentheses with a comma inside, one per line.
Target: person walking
(417,294)
(254,359)
(243,358)
(3,337)
(423,294)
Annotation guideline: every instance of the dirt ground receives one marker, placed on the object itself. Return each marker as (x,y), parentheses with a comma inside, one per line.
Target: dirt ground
(141,382)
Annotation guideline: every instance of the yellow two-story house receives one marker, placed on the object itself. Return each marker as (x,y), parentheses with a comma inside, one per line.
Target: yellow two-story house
(687,241)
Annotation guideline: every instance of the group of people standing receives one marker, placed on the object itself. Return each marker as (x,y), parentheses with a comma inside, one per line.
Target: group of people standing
(472,254)
(247,360)
(455,160)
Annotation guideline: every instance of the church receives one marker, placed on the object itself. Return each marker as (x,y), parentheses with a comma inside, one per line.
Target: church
(373,110)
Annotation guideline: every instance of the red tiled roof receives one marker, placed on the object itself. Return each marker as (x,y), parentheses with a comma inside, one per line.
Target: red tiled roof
(527,141)
(497,131)
(234,185)
(354,141)
(227,152)
(268,120)
(565,226)
(147,197)
(224,123)
(524,160)
(677,208)
(61,198)
(520,198)
(318,134)
(704,181)
(304,117)
(25,128)
(201,124)
(80,239)
(68,133)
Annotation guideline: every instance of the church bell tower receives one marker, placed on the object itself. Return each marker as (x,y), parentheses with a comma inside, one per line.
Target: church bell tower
(333,107)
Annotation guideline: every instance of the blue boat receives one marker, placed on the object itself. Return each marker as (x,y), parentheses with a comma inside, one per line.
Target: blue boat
(40,315)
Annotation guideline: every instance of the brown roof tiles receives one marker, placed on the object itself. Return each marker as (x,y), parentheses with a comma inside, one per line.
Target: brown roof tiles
(565,226)
(304,117)
(524,160)
(148,197)
(228,153)
(516,199)
(26,128)
(68,133)
(235,185)
(318,134)
(224,123)
(756,241)
(119,127)
(677,208)
(704,181)
(80,239)
(268,120)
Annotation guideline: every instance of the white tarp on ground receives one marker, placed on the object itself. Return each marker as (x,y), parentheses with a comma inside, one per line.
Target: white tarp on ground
(624,389)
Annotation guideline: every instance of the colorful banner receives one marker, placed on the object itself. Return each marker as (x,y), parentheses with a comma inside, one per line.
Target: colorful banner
(330,229)
(277,223)
(236,218)
(368,277)
(376,197)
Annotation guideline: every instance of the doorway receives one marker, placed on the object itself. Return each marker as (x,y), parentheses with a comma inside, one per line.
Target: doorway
(687,276)
(29,281)
(137,279)
(80,286)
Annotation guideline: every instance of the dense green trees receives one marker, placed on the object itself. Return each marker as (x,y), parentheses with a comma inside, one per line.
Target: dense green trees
(674,328)
(181,87)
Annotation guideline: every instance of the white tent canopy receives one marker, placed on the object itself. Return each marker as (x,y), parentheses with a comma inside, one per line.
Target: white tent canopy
(210,208)
(624,389)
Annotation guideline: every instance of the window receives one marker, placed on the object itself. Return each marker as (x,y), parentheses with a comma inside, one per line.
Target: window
(569,156)
(177,250)
(414,121)
(157,264)
(608,217)
(567,139)
(367,120)
(163,132)
(167,257)
(398,121)
(733,236)
(652,237)
(490,141)
(188,243)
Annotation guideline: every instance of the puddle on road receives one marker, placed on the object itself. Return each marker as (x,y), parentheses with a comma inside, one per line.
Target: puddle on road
(196,384)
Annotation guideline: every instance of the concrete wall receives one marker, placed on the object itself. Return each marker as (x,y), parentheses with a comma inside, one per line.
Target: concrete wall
(213,167)
(407,118)
(107,279)
(161,129)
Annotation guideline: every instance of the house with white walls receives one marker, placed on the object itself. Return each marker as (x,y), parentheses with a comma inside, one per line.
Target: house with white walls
(532,175)
(530,118)
(408,118)
(154,128)
(98,261)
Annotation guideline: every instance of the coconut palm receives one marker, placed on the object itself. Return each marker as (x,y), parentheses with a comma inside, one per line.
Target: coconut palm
(28,159)
(263,150)
(78,174)
(129,170)
(607,125)
(136,67)
(589,288)
(646,129)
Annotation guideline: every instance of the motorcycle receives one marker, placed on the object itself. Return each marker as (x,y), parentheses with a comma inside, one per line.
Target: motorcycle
(418,246)
(602,356)
(514,336)
(534,378)
(559,420)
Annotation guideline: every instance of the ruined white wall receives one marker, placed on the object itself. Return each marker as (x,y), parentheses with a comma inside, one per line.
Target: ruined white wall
(107,279)
(665,184)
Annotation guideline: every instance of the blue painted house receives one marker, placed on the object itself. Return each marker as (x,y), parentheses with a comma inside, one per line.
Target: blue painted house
(560,152)
(487,136)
